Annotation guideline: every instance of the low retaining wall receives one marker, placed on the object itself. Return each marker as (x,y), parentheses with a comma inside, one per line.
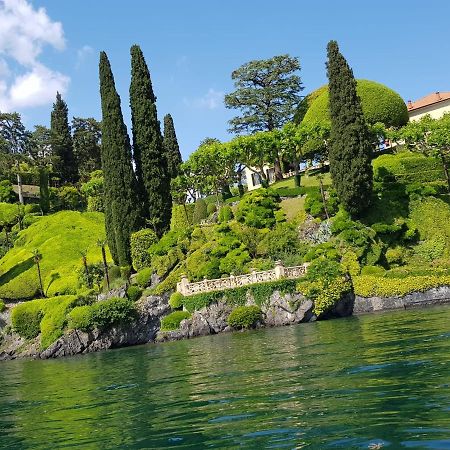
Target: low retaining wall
(277,273)
(435,296)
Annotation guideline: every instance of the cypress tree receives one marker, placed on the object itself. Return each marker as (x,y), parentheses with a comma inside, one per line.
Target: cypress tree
(151,163)
(123,211)
(350,151)
(171,147)
(61,140)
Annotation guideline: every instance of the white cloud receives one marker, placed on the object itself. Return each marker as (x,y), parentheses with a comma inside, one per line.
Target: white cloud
(211,100)
(24,32)
(82,54)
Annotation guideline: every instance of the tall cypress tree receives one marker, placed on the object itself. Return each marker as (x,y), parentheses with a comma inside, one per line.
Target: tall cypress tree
(123,211)
(151,163)
(61,140)
(171,147)
(350,152)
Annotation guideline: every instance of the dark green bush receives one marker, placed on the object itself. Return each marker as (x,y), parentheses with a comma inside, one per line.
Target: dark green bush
(225,214)
(102,314)
(200,211)
(172,321)
(26,319)
(7,194)
(2,306)
(245,317)
(70,198)
(140,243)
(134,293)
(144,277)
(176,300)
(281,241)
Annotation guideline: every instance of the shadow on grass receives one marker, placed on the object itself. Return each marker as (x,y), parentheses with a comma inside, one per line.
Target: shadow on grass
(16,271)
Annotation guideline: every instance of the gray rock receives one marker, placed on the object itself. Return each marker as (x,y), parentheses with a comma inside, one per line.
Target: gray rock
(287,309)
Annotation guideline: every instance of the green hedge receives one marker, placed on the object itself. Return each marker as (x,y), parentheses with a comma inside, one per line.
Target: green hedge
(260,292)
(408,167)
(140,242)
(172,321)
(102,314)
(379,104)
(245,317)
(374,286)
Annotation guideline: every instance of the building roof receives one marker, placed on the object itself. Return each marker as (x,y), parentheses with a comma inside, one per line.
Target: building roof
(28,190)
(428,100)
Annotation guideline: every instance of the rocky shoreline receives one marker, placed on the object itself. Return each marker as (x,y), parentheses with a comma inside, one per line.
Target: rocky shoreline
(281,310)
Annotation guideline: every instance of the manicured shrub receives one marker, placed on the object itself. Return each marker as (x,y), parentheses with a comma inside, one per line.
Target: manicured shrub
(245,317)
(144,277)
(182,216)
(234,262)
(70,198)
(102,314)
(378,102)
(140,243)
(373,270)
(200,211)
(176,300)
(172,321)
(370,285)
(134,293)
(280,241)
(211,208)
(26,319)
(225,214)
(394,256)
(2,306)
(257,208)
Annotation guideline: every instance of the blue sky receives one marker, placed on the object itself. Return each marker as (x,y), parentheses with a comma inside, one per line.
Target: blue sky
(192,47)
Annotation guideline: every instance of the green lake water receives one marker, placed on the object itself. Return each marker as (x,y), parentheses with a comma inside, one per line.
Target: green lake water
(374,381)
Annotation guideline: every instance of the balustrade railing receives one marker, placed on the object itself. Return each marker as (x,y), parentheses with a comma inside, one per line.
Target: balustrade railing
(277,273)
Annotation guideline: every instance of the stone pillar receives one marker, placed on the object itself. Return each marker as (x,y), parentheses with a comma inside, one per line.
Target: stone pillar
(182,286)
(279,270)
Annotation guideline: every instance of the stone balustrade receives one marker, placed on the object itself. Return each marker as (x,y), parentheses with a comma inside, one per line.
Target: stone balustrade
(277,273)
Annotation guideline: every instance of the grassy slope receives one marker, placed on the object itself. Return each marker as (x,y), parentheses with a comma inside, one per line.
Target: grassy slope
(59,237)
(306,181)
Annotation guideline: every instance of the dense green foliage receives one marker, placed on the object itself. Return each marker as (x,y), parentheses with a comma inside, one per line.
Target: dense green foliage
(172,321)
(140,243)
(134,293)
(171,148)
(144,276)
(176,300)
(2,306)
(60,238)
(182,216)
(149,153)
(259,208)
(244,317)
(86,145)
(6,192)
(61,141)
(351,148)
(379,105)
(102,314)
(123,213)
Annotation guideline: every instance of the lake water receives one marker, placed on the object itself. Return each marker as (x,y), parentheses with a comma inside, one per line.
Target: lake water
(375,381)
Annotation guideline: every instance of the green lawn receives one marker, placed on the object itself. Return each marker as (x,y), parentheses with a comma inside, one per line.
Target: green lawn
(306,181)
(59,238)
(294,208)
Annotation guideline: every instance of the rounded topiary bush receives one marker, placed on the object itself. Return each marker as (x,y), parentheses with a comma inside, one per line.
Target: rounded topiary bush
(134,293)
(176,300)
(211,208)
(245,317)
(172,321)
(26,319)
(200,211)
(144,277)
(379,104)
(140,242)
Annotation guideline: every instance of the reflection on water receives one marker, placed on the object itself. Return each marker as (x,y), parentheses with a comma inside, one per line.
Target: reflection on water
(377,381)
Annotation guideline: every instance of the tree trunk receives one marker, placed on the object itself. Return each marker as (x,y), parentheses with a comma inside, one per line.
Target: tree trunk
(105,265)
(277,169)
(446,171)
(323,198)
(40,278)
(297,174)
(19,185)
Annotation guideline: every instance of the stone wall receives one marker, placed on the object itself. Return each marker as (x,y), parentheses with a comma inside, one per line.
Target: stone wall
(278,272)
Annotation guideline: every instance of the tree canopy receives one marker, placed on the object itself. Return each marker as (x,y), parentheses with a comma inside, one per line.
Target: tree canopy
(267,93)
